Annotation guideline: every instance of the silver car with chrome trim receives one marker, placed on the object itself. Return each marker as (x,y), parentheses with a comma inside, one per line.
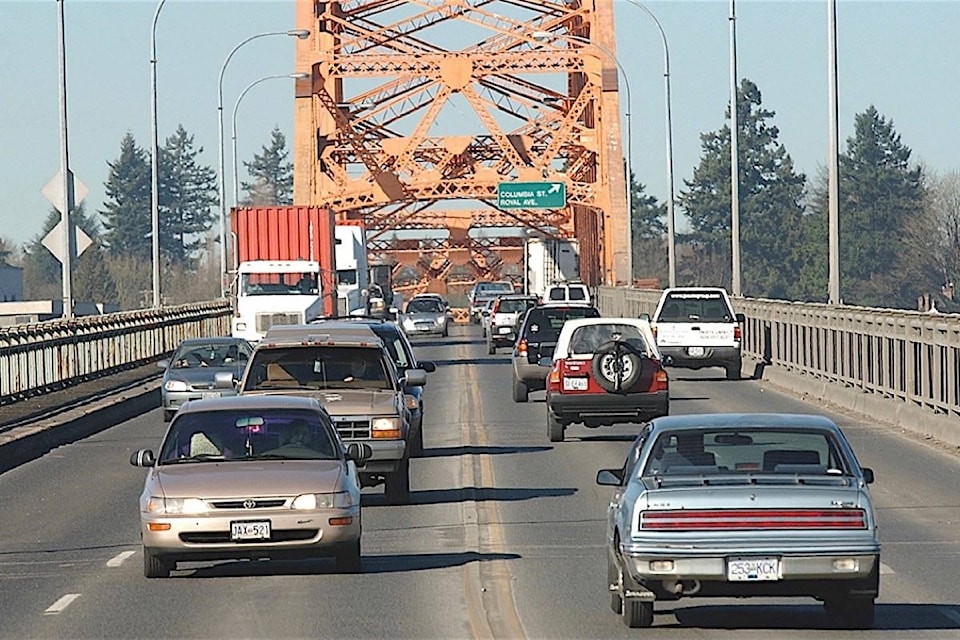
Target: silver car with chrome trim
(250,477)
(737,505)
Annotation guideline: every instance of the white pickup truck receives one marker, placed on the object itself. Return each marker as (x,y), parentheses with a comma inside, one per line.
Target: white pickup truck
(696,327)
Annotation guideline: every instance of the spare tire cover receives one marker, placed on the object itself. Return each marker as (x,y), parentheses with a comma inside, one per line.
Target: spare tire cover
(617,366)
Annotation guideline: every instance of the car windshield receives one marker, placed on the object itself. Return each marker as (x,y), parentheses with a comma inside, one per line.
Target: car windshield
(424,305)
(318,367)
(699,306)
(208,355)
(515,305)
(543,325)
(746,451)
(494,287)
(271,284)
(245,434)
(588,338)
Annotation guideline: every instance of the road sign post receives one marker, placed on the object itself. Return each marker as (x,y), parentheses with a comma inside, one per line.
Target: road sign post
(531,195)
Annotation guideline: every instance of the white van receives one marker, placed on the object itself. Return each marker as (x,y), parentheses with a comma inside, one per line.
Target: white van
(567,293)
(696,327)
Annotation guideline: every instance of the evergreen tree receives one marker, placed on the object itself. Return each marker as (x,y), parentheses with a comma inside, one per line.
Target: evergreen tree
(272,174)
(188,193)
(126,214)
(771,193)
(649,227)
(879,195)
(92,280)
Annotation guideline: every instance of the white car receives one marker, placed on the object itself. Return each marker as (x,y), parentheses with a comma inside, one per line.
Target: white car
(567,292)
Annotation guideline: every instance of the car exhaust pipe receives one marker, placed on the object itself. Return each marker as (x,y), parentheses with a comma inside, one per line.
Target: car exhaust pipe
(682,587)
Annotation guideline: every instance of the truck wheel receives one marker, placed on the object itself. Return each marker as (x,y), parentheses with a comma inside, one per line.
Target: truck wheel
(347,557)
(637,614)
(397,485)
(155,566)
(733,371)
(555,428)
(520,391)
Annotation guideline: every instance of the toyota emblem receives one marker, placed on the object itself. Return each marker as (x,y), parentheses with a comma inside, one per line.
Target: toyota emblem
(249,504)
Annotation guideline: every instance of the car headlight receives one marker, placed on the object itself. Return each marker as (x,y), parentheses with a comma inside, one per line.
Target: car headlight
(159,506)
(411,402)
(441,321)
(314,501)
(385,424)
(408,322)
(175,385)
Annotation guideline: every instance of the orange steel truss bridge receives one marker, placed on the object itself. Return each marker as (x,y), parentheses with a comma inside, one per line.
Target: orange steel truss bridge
(416,113)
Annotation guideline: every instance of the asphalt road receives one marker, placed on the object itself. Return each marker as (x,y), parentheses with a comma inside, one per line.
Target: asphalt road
(504,538)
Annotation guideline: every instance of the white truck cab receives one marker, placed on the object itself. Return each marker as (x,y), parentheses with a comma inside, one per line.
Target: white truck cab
(271,292)
(352,270)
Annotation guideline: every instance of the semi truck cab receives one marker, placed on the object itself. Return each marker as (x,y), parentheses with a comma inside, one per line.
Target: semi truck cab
(271,292)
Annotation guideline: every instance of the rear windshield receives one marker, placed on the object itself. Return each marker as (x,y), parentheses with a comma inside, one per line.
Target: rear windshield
(746,450)
(314,367)
(544,324)
(515,305)
(695,306)
(588,338)
(490,287)
(571,293)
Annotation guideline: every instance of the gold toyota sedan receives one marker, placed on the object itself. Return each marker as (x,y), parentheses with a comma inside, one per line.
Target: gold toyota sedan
(250,477)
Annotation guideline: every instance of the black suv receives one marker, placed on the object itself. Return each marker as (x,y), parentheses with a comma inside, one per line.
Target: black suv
(398,345)
(536,339)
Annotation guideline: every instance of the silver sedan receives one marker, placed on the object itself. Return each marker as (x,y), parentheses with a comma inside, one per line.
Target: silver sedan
(425,316)
(739,505)
(190,372)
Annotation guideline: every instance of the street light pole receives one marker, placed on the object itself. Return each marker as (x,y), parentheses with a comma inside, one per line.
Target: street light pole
(833,190)
(544,35)
(298,33)
(66,185)
(154,161)
(236,106)
(671,219)
(734,159)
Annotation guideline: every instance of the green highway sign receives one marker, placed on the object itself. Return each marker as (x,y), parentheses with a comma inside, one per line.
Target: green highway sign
(531,195)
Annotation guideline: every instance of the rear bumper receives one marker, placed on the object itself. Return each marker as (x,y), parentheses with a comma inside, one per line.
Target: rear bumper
(498,337)
(712,357)
(532,375)
(607,408)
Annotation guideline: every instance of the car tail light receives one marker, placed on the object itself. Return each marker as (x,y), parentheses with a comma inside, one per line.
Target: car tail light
(736,332)
(553,380)
(496,307)
(661,382)
(522,348)
(750,519)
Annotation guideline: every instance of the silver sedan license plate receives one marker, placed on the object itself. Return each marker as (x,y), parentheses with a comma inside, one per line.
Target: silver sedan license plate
(753,569)
(250,530)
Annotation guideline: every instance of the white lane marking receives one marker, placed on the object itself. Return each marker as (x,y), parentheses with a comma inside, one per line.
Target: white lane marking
(61,604)
(117,560)
(950,613)
(886,571)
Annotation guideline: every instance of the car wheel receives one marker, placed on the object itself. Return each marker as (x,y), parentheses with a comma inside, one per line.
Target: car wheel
(637,614)
(616,366)
(416,440)
(397,489)
(520,391)
(491,347)
(613,582)
(155,566)
(348,558)
(168,415)
(555,428)
(733,371)
(852,613)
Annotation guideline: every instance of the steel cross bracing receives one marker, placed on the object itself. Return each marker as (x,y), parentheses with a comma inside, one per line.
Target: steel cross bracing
(416,111)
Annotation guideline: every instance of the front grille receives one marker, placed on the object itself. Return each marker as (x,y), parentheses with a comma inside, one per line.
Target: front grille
(267,320)
(263,503)
(353,429)
(276,535)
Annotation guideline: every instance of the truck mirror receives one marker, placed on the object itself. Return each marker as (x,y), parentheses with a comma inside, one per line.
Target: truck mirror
(645,316)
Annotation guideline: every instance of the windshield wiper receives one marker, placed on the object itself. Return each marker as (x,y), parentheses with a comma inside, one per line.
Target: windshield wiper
(200,457)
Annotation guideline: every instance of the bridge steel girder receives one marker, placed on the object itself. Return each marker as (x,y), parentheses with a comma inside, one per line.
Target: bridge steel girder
(391,127)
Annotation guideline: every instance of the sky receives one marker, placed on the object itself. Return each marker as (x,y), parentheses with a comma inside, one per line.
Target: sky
(903,57)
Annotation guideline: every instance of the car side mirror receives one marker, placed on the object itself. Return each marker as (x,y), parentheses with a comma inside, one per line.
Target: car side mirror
(163,364)
(142,458)
(359,452)
(224,380)
(427,366)
(741,318)
(867,475)
(667,361)
(645,316)
(415,378)
(610,477)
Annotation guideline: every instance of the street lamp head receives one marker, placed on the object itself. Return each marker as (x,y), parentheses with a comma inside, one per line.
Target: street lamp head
(299,33)
(299,76)
(542,36)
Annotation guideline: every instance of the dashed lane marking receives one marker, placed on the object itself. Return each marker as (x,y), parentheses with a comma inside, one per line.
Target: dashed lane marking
(61,604)
(118,559)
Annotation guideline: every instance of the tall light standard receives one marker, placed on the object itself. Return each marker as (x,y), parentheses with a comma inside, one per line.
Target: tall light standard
(546,35)
(833,180)
(671,229)
(154,161)
(734,158)
(298,33)
(295,76)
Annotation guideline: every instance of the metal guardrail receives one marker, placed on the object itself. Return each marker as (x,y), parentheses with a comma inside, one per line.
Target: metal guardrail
(909,356)
(36,358)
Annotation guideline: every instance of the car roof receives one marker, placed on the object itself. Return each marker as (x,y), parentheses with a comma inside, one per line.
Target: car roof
(563,340)
(702,420)
(565,304)
(213,340)
(518,296)
(329,333)
(251,402)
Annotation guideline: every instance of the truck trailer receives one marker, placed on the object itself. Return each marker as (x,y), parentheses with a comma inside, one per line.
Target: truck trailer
(549,261)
